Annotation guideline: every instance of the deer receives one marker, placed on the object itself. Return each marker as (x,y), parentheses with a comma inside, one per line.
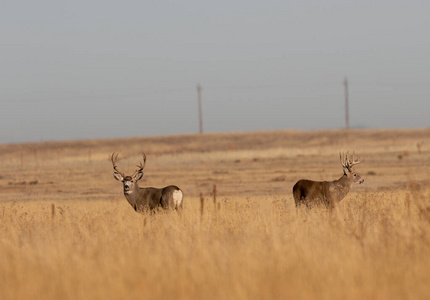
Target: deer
(141,199)
(328,193)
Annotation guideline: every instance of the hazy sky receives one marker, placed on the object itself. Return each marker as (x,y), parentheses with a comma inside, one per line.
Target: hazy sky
(95,69)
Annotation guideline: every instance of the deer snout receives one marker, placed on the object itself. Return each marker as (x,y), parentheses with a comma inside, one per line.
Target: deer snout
(361,181)
(127,189)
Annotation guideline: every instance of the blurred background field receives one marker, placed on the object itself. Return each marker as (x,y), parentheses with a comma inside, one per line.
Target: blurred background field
(66,230)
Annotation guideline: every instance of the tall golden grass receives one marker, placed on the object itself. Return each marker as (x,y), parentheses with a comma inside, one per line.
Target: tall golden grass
(375,247)
(66,232)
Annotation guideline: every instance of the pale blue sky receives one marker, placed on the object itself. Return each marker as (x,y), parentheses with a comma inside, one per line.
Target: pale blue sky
(97,69)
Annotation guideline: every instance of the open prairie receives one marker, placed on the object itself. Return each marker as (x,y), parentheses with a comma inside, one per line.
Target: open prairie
(67,232)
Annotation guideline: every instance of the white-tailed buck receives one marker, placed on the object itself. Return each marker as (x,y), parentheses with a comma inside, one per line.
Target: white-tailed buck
(328,193)
(169,197)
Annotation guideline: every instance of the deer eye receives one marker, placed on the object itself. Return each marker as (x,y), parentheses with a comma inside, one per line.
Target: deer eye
(355,175)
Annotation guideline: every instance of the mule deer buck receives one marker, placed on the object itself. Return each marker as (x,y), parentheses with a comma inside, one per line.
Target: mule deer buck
(328,193)
(169,197)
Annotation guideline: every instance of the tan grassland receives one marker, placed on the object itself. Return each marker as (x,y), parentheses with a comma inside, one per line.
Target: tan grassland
(67,232)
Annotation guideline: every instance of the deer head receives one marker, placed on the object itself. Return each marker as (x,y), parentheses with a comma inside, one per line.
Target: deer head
(129,182)
(347,165)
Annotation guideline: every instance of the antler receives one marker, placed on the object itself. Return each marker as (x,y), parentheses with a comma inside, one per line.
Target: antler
(347,163)
(140,166)
(113,159)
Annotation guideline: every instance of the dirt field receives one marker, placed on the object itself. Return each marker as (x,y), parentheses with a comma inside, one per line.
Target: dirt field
(67,232)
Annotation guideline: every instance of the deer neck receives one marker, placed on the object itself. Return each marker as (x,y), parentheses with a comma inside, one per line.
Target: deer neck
(134,196)
(343,186)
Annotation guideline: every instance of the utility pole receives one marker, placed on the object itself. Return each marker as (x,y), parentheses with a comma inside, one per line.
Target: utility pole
(346,104)
(199,100)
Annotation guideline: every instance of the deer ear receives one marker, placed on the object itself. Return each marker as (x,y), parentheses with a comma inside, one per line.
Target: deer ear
(138,176)
(117,176)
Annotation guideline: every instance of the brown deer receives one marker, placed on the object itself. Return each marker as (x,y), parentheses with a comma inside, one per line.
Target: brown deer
(169,197)
(328,193)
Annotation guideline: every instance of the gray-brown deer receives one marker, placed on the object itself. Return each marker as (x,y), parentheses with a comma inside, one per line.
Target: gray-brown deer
(169,197)
(328,193)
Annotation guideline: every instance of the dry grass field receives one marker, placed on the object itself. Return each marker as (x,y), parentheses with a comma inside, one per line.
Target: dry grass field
(67,232)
